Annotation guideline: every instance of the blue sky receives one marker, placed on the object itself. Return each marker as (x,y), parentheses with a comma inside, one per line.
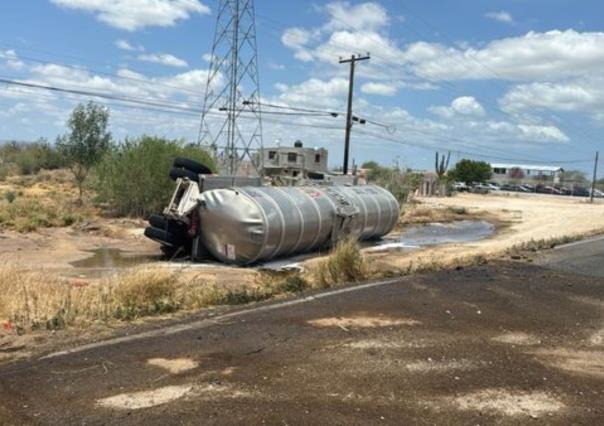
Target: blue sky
(495,80)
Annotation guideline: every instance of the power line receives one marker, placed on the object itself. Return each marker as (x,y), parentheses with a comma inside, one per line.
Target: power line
(190,112)
(134,100)
(466,153)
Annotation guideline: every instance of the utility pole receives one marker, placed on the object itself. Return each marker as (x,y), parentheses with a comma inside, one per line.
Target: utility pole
(593,182)
(352,61)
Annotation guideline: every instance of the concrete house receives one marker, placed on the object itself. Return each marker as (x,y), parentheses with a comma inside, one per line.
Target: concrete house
(294,162)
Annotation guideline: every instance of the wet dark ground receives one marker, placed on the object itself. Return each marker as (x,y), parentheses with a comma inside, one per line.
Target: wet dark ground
(107,261)
(434,234)
(505,343)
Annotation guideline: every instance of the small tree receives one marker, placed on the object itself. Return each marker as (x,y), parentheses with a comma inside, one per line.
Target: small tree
(86,142)
(469,171)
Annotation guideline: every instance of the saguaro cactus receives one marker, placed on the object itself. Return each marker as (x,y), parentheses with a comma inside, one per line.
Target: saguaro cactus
(442,164)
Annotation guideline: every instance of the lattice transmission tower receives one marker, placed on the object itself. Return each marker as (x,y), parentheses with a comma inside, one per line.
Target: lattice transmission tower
(231,123)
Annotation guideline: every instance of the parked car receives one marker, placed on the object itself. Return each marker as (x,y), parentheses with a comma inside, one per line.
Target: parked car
(552,190)
(542,189)
(597,193)
(581,192)
(562,190)
(460,187)
(480,188)
(508,187)
(494,186)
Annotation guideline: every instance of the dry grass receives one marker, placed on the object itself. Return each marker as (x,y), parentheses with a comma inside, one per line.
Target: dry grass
(47,199)
(345,264)
(545,244)
(34,300)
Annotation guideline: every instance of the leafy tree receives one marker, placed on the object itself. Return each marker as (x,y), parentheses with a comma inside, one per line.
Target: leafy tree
(87,140)
(470,171)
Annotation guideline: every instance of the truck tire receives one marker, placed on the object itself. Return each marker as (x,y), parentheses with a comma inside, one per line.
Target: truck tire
(316,176)
(163,237)
(176,173)
(192,165)
(158,221)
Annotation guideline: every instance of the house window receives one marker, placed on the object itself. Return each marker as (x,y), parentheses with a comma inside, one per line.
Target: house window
(292,157)
(499,171)
(317,158)
(272,155)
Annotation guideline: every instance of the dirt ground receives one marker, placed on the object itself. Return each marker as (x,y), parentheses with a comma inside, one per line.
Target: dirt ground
(518,219)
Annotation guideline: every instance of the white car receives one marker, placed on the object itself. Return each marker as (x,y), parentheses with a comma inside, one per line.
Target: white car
(597,193)
(460,186)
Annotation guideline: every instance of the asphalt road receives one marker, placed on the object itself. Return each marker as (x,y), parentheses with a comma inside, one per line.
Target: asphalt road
(506,343)
(584,257)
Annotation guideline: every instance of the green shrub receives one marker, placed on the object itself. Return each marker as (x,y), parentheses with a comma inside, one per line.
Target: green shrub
(133,177)
(29,158)
(10,196)
(399,182)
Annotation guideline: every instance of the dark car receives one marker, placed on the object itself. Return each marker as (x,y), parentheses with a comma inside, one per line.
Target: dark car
(564,191)
(508,187)
(580,192)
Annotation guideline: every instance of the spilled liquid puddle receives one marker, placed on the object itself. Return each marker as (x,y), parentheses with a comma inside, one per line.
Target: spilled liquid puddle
(415,237)
(105,261)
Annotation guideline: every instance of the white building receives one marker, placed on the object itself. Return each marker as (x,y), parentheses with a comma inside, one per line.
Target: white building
(504,173)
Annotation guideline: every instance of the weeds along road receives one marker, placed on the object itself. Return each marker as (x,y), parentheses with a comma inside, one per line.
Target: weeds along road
(506,343)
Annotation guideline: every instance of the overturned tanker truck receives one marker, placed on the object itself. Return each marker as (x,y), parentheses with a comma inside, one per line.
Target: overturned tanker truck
(237,221)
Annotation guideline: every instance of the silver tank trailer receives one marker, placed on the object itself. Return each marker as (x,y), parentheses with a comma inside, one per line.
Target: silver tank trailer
(251,224)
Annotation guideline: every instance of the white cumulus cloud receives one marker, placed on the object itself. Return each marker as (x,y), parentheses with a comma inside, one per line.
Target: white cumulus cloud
(10,60)
(164,59)
(364,16)
(577,95)
(126,45)
(501,16)
(553,54)
(464,106)
(382,89)
(132,15)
